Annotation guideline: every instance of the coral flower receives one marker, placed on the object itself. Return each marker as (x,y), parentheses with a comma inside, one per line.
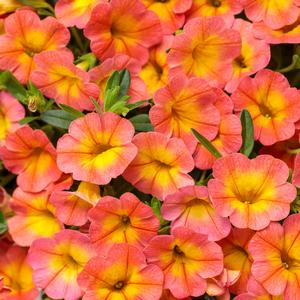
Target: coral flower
(57,261)
(275,13)
(207,8)
(296,173)
(100,74)
(251,192)
(237,257)
(11,112)
(167,295)
(191,208)
(275,252)
(161,165)
(170,13)
(34,217)
(123,274)
(16,274)
(229,137)
(205,49)
(123,26)
(274,106)
(75,12)
(25,36)
(72,207)
(255,55)
(97,148)
(185,252)
(30,154)
(184,104)
(8,6)
(127,220)
(57,77)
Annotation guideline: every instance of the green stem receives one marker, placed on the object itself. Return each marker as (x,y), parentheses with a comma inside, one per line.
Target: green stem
(77,38)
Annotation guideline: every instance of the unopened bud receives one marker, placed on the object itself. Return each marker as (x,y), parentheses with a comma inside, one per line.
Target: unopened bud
(33,103)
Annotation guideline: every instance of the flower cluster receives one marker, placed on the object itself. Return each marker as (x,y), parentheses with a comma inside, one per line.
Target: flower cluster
(150,150)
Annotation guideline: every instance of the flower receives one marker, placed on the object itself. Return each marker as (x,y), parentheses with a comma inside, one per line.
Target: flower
(272,103)
(34,217)
(11,112)
(275,252)
(123,26)
(97,148)
(25,36)
(182,105)
(30,154)
(57,77)
(122,274)
(161,165)
(190,207)
(205,49)
(57,261)
(251,192)
(185,252)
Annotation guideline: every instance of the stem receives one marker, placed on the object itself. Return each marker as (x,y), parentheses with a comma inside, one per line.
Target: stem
(77,38)
(201,181)
(293,151)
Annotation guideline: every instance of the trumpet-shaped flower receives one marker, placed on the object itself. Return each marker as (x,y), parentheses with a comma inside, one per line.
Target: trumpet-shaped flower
(123,26)
(182,105)
(252,193)
(205,49)
(121,275)
(75,12)
(274,106)
(72,207)
(161,165)
(97,148)
(127,220)
(57,261)
(183,253)
(25,36)
(30,154)
(275,252)
(34,217)
(190,207)
(58,78)
(167,295)
(11,112)
(16,274)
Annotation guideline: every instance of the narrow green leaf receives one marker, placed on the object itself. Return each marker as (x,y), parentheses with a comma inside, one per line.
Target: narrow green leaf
(112,81)
(3,224)
(125,80)
(141,123)
(206,143)
(135,105)
(96,104)
(156,206)
(71,110)
(247,133)
(28,120)
(58,118)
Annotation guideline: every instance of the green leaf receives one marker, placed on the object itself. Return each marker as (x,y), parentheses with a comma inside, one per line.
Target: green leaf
(247,133)
(206,143)
(3,224)
(96,104)
(135,105)
(156,206)
(141,123)
(28,120)
(112,81)
(125,80)
(11,84)
(37,4)
(76,113)
(58,118)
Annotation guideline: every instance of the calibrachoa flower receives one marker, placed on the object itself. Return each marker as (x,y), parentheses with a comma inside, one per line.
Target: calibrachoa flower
(97,148)
(296,172)
(127,220)
(187,260)
(237,257)
(170,13)
(275,252)
(100,74)
(122,274)
(8,6)
(123,26)
(57,77)
(16,274)
(161,165)
(205,49)
(274,106)
(252,193)
(25,36)
(229,137)
(72,207)
(30,154)
(75,12)
(34,217)
(190,207)
(255,54)
(11,112)
(167,295)
(4,202)
(57,261)
(184,104)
